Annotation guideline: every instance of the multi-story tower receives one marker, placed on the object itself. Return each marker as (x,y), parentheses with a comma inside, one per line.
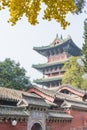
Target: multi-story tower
(56,53)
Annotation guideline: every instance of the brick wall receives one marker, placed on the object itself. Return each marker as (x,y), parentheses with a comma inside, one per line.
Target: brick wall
(79,121)
(58,126)
(8,126)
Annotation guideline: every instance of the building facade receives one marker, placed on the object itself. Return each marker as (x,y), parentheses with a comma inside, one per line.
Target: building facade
(43,109)
(68,110)
(57,53)
(57,107)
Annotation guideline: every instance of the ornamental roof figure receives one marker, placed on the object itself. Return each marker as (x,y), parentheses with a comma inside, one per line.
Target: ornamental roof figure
(56,40)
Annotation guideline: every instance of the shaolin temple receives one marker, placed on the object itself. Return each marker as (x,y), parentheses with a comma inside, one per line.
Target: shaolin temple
(53,107)
(57,53)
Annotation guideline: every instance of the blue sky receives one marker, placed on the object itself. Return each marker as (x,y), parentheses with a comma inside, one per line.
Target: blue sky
(17,42)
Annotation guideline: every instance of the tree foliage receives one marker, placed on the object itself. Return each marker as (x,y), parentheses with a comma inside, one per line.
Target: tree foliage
(84,48)
(55,9)
(84,84)
(74,72)
(80,5)
(12,75)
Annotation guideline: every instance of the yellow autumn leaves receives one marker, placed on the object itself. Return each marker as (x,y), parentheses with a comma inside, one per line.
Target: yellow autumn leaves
(55,9)
(58,9)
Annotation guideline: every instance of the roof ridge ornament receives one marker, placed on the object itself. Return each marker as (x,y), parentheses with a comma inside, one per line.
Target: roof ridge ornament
(61,37)
(57,36)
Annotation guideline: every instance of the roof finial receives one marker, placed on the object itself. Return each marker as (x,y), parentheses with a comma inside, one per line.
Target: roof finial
(61,37)
(57,35)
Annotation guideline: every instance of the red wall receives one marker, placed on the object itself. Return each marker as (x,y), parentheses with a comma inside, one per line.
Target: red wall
(58,126)
(57,57)
(79,120)
(8,126)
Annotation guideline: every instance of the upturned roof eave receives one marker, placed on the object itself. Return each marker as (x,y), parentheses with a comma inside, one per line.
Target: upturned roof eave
(42,66)
(47,80)
(75,104)
(50,46)
(43,49)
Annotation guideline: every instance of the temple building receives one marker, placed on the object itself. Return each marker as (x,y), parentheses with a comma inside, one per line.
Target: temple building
(57,53)
(55,107)
(43,109)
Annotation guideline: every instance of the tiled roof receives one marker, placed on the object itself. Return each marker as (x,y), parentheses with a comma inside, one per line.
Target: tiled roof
(36,101)
(51,103)
(48,79)
(6,93)
(12,111)
(59,115)
(12,94)
(74,104)
(49,92)
(40,66)
(58,95)
(44,90)
(53,93)
(18,96)
(68,86)
(50,46)
(69,97)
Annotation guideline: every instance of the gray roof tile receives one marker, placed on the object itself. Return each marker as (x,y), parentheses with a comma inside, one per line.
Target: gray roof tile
(12,111)
(59,114)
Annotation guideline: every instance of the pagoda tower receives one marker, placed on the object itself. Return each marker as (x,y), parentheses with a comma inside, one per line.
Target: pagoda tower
(56,53)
